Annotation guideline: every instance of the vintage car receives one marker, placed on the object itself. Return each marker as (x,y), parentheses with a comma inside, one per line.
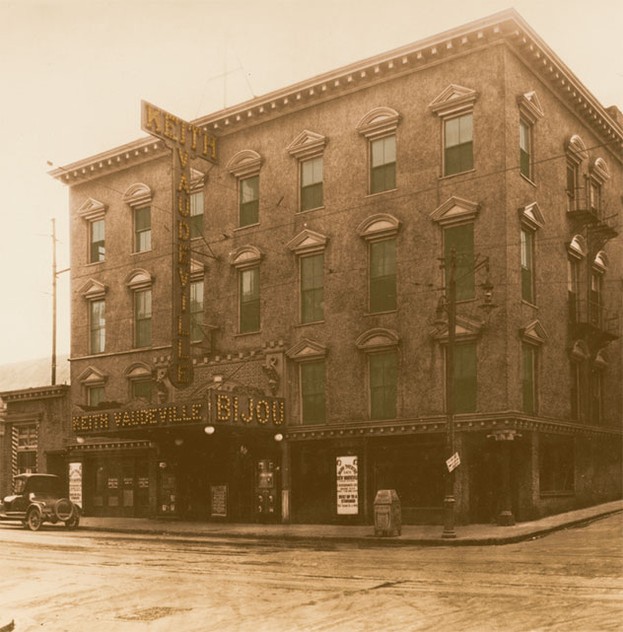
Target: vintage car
(38,498)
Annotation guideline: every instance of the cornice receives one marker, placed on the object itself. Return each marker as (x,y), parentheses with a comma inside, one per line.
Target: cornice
(506,27)
(44,392)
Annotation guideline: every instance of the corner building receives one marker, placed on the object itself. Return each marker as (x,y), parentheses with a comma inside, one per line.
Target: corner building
(468,178)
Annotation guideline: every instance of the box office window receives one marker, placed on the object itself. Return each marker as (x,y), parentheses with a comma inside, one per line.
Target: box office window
(25,454)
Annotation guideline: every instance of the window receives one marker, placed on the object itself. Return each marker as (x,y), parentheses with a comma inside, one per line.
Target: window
(556,464)
(458,144)
(383,377)
(460,239)
(97,326)
(142,229)
(527,265)
(528,378)
(597,394)
(196,214)
(311,183)
(249,300)
(382,275)
(97,244)
(95,395)
(573,289)
(26,440)
(464,388)
(196,310)
(142,318)
(572,186)
(143,389)
(312,288)
(530,111)
(525,149)
(383,164)
(595,195)
(249,200)
(313,392)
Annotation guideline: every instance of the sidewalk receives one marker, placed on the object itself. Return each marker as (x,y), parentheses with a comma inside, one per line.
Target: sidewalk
(477,534)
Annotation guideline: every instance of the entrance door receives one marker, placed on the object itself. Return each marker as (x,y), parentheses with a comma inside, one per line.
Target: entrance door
(265,490)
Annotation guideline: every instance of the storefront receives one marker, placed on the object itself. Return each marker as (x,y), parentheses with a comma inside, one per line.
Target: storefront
(218,458)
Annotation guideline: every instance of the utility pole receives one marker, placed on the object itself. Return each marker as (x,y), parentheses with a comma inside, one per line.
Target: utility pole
(54,275)
(449,500)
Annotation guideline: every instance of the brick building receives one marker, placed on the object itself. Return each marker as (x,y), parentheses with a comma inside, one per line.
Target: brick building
(343,221)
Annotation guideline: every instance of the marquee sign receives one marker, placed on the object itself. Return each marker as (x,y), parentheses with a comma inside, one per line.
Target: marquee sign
(187,142)
(219,409)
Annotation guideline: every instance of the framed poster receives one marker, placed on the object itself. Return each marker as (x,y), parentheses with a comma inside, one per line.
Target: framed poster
(219,501)
(347,485)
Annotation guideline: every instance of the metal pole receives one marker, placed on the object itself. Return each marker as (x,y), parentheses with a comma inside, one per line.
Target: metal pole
(449,500)
(53,376)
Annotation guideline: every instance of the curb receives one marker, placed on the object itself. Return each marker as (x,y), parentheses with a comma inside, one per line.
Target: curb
(370,540)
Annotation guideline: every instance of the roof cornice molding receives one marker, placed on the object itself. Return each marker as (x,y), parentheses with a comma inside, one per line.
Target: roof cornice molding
(506,27)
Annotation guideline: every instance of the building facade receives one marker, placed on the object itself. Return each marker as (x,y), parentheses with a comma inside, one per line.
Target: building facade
(421,242)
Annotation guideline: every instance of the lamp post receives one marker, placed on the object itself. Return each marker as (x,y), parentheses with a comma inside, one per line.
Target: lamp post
(449,499)
(447,304)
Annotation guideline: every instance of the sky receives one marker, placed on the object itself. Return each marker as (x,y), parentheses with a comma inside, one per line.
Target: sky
(73,73)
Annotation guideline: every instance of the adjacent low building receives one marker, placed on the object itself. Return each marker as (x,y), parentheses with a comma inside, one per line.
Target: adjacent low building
(282,307)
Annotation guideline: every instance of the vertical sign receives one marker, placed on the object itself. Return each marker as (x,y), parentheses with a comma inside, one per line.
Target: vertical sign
(347,485)
(75,483)
(186,142)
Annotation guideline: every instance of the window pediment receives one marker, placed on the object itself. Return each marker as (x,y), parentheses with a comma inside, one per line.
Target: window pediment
(138,371)
(197,179)
(534,333)
(91,209)
(465,329)
(577,247)
(246,256)
(306,350)
(380,121)
(196,268)
(601,261)
(377,339)
(138,194)
(308,241)
(532,216)
(307,145)
(92,377)
(378,226)
(530,106)
(244,164)
(579,350)
(453,100)
(599,170)
(576,149)
(93,289)
(139,279)
(454,211)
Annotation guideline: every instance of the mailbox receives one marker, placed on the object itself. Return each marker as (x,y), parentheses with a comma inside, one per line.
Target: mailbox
(387,513)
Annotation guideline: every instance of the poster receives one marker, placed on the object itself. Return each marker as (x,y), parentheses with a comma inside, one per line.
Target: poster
(347,486)
(75,483)
(219,501)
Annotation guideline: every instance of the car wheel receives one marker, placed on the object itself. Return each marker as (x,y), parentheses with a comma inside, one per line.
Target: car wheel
(34,518)
(63,509)
(73,522)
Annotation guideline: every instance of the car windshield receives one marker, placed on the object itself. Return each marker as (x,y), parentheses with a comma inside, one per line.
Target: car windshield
(38,485)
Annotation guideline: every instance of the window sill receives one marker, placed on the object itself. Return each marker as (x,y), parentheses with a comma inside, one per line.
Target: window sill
(529,304)
(95,263)
(309,210)
(313,322)
(246,226)
(389,311)
(369,195)
(247,333)
(142,252)
(454,175)
(527,179)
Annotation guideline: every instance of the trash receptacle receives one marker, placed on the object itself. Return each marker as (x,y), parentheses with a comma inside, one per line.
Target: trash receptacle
(387,513)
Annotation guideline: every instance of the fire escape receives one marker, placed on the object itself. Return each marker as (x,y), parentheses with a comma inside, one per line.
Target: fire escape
(589,320)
